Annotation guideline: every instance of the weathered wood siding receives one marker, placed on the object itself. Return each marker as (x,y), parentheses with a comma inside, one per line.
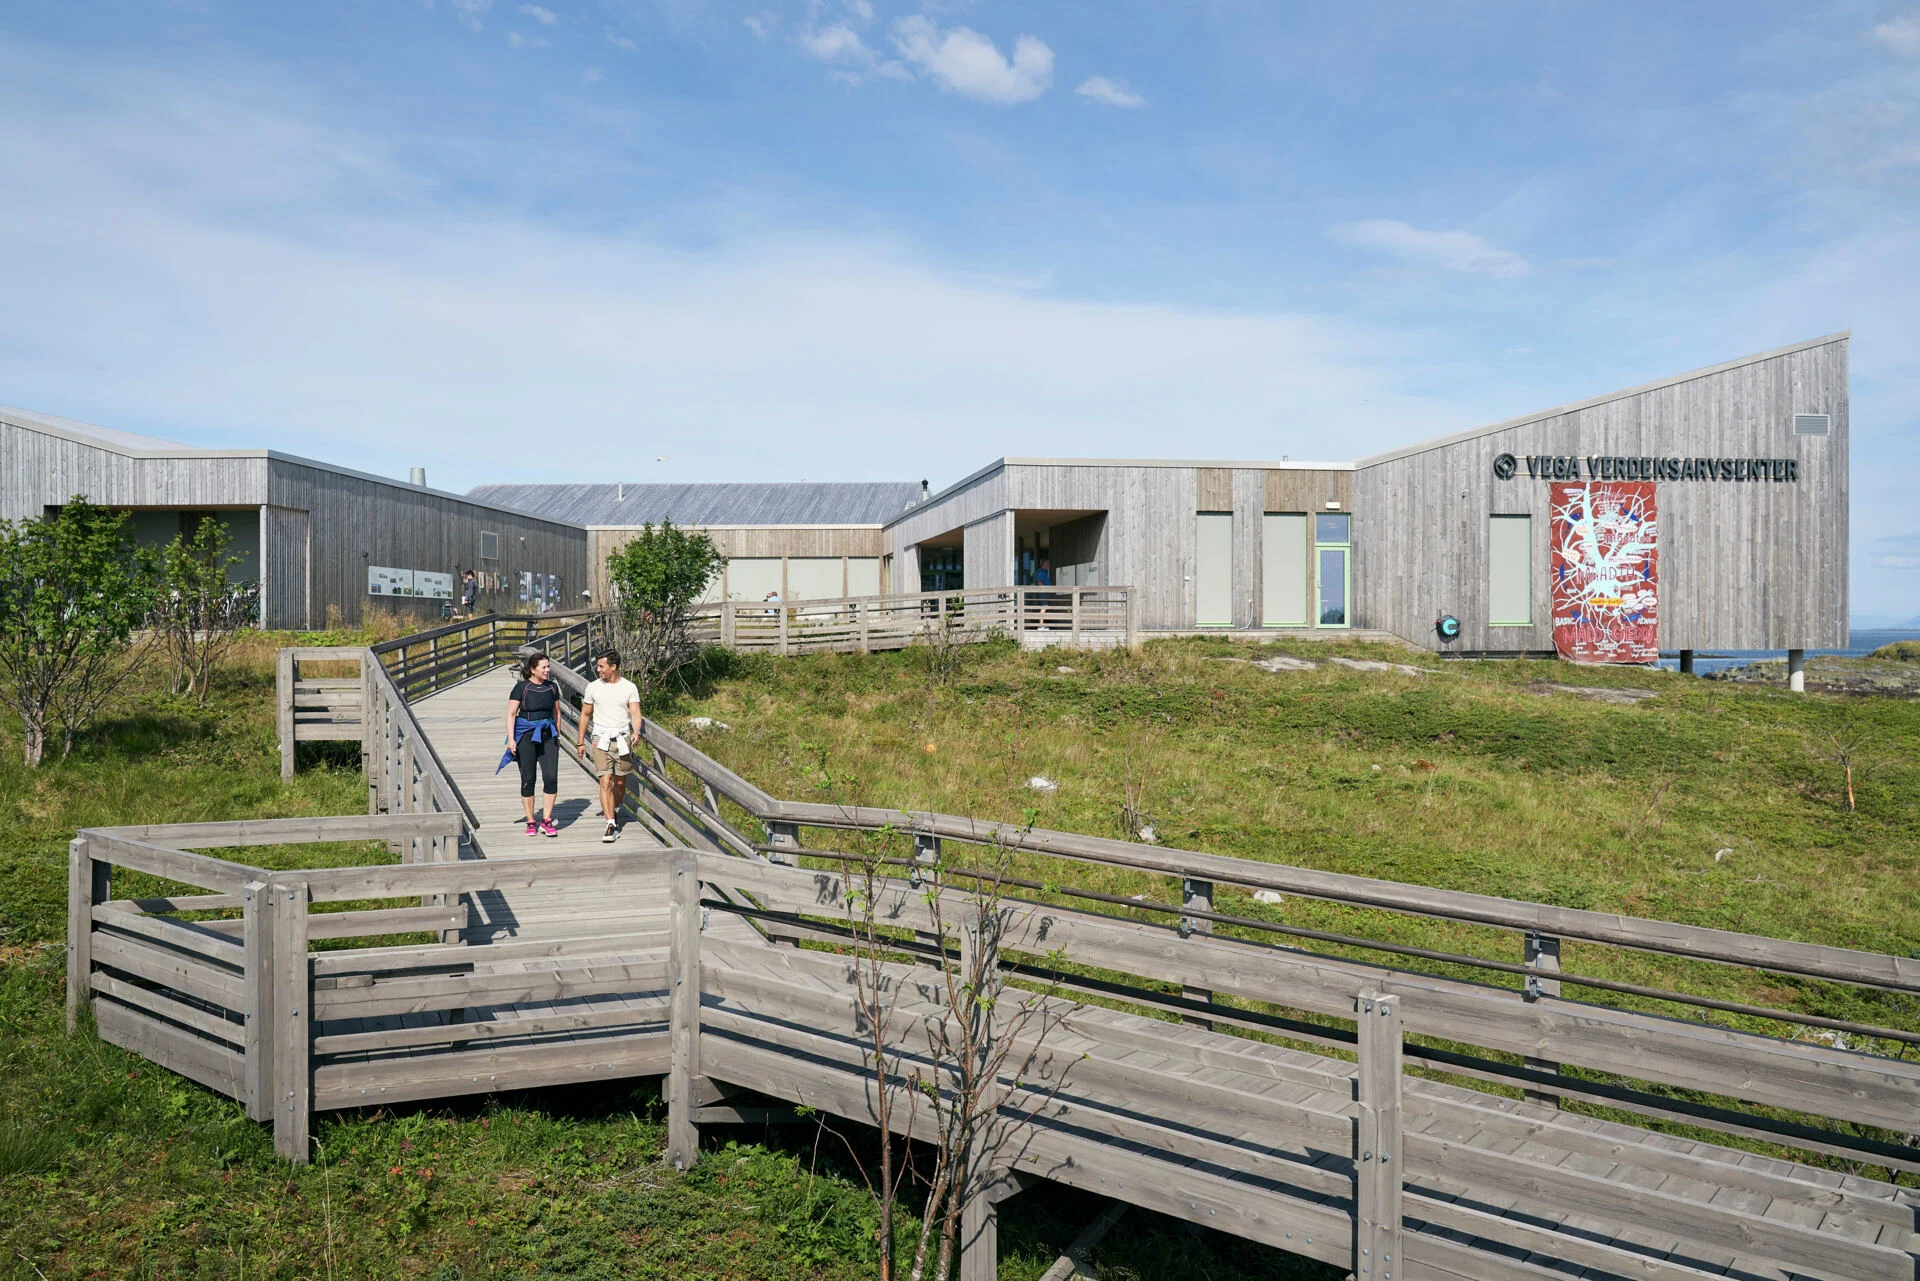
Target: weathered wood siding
(285,585)
(40,469)
(1757,565)
(988,551)
(982,494)
(357,521)
(744,542)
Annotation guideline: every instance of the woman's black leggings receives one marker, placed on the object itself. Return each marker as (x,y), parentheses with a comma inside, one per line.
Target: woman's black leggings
(544,756)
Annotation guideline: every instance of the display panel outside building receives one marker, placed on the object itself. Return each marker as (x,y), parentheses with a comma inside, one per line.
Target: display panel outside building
(384,580)
(1606,572)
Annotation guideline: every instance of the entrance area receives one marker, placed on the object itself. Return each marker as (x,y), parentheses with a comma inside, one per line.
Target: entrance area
(1333,572)
(1058,548)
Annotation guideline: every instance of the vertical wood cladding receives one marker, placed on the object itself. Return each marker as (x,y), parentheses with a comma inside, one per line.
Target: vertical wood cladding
(987,548)
(356,521)
(741,542)
(1743,565)
(285,573)
(38,469)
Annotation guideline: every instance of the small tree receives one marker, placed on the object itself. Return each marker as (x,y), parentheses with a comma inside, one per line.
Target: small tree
(72,591)
(657,579)
(198,612)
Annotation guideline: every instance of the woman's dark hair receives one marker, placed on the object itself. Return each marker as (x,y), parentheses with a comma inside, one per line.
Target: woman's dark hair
(532,661)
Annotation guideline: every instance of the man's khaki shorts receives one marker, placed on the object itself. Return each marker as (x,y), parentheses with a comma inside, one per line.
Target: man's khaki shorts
(605,763)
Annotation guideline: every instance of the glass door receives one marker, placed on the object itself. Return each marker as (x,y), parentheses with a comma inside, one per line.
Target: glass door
(1333,571)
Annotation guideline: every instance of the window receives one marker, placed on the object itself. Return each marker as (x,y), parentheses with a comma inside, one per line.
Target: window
(1510,572)
(1332,569)
(489,545)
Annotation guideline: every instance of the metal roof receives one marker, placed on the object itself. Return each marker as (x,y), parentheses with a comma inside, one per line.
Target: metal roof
(856,503)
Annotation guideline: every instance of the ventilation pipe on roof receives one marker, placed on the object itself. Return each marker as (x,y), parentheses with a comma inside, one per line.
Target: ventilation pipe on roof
(620,496)
(923,491)
(418,477)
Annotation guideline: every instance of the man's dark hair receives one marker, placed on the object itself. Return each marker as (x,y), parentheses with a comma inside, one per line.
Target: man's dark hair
(612,656)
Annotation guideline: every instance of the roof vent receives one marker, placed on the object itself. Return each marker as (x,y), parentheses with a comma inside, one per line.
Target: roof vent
(621,495)
(1813,424)
(418,477)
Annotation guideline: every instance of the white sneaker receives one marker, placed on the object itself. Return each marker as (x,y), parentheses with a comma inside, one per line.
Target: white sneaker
(612,832)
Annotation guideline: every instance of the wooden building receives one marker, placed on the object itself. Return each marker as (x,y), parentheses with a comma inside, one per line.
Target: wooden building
(322,542)
(1745,465)
(803,540)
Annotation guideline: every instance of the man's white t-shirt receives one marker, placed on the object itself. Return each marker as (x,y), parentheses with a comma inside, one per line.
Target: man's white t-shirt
(609,703)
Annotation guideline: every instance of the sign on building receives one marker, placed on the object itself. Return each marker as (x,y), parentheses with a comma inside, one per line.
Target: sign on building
(383,580)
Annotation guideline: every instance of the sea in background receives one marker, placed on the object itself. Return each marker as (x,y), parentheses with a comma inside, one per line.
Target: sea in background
(1862,643)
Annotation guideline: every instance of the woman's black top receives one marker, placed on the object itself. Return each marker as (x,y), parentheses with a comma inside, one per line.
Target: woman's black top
(537,702)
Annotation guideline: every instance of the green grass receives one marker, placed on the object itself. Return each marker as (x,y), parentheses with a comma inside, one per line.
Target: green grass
(112,1167)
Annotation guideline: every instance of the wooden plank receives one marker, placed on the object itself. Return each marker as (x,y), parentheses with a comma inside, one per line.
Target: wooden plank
(198,870)
(372,922)
(200,979)
(289,831)
(257,1008)
(162,1006)
(684,983)
(1543,1242)
(328,732)
(81,879)
(640,1011)
(1377,1178)
(292,1037)
(211,1064)
(561,979)
(283,708)
(194,937)
(167,905)
(482,1070)
(633,867)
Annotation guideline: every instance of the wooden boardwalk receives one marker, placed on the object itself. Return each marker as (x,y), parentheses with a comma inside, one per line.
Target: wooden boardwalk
(669,953)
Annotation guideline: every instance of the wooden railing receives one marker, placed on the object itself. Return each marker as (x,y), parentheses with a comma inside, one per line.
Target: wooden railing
(1074,616)
(432,660)
(1342,1157)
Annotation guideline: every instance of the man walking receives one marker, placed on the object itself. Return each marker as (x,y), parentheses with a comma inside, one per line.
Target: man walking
(469,593)
(609,723)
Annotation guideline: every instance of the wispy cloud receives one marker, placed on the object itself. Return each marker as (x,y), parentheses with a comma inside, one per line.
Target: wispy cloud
(619,41)
(470,11)
(545,17)
(1900,34)
(761,24)
(1448,250)
(517,41)
(593,76)
(1112,93)
(963,61)
(837,43)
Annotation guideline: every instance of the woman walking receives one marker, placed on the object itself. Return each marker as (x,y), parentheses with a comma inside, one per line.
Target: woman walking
(533,736)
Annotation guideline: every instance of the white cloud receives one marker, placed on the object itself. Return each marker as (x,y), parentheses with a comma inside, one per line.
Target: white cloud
(546,17)
(761,24)
(619,41)
(860,9)
(1449,250)
(517,41)
(837,43)
(592,76)
(211,268)
(1901,34)
(965,62)
(1113,93)
(470,11)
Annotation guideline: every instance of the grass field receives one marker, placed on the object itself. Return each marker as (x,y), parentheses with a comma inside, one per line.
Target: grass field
(1707,803)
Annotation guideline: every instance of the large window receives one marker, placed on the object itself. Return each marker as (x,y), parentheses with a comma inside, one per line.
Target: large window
(1333,570)
(1283,570)
(1510,571)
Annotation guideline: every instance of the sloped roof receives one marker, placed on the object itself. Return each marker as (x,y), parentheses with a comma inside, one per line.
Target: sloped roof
(855,503)
(112,437)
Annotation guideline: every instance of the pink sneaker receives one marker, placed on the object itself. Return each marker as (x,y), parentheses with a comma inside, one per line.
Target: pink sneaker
(533,828)
(547,828)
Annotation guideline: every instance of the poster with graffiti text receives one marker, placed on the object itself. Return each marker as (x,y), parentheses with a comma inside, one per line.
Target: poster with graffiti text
(1606,572)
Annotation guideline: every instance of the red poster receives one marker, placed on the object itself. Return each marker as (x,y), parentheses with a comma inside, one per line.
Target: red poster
(1606,572)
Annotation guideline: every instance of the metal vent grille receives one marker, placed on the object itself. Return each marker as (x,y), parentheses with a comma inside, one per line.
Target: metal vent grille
(490,541)
(1813,424)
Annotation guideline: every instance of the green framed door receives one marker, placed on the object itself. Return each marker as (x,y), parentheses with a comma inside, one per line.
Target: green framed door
(1333,570)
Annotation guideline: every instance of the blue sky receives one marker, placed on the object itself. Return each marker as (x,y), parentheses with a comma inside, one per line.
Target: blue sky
(659,239)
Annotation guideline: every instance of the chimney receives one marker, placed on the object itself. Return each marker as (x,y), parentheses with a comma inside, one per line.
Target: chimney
(923,491)
(418,477)
(621,496)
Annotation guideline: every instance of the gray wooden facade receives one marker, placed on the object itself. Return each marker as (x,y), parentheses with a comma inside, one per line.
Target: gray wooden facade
(316,529)
(1743,564)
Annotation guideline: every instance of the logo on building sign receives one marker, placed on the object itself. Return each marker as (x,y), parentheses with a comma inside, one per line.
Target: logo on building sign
(1606,572)
(1778,471)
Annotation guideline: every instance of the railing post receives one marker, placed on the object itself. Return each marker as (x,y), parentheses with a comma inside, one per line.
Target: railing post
(1077,595)
(368,722)
(979,1217)
(1542,953)
(283,679)
(728,624)
(863,612)
(1133,620)
(89,883)
(433,664)
(783,615)
(1377,1155)
(256,916)
(1197,896)
(787,836)
(683,961)
(292,1021)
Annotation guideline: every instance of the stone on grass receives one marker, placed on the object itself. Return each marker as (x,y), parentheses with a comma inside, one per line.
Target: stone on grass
(1373,665)
(1274,897)
(706,722)
(1040,784)
(1622,696)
